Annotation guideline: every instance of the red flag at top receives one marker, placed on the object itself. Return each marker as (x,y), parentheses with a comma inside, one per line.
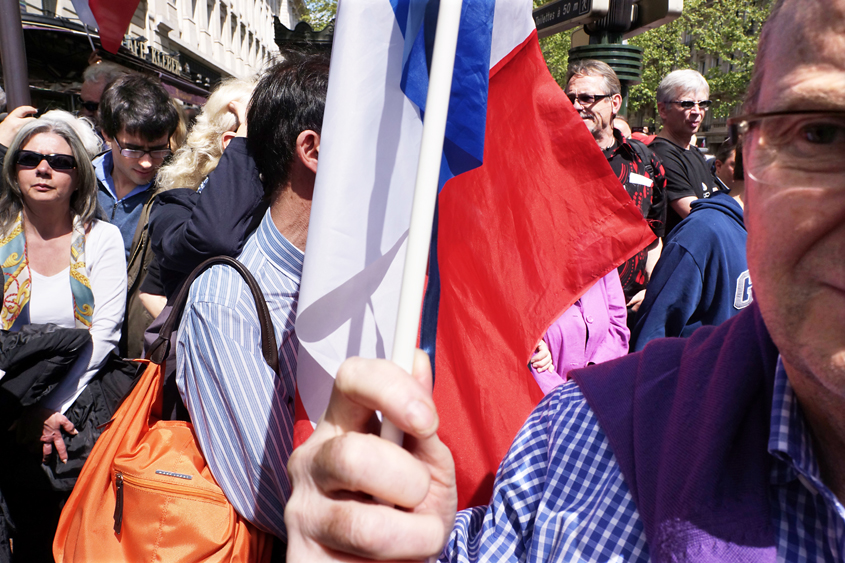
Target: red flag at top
(111,17)
(520,239)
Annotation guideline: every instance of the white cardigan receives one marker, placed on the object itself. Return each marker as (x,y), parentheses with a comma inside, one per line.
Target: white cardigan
(106,267)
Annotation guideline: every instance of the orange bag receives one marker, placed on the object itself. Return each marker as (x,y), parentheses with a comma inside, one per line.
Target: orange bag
(145,492)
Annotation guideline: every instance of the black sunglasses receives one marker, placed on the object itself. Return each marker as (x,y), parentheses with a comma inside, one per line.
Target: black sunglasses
(689,104)
(90,106)
(587,99)
(31,159)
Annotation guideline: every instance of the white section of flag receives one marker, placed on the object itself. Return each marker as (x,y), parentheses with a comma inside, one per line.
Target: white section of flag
(83,12)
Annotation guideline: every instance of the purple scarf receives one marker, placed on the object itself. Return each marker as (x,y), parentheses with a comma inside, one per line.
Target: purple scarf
(688,421)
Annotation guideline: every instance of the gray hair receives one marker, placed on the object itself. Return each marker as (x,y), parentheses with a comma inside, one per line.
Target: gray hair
(83,128)
(105,71)
(2,99)
(83,202)
(589,67)
(679,82)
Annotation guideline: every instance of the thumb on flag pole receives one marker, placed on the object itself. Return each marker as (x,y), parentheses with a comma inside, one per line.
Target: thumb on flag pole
(425,193)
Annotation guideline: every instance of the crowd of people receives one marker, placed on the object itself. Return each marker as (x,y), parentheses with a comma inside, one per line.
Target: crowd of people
(721,445)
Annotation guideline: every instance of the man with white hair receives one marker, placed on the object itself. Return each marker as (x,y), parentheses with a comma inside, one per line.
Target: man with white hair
(728,445)
(95,78)
(682,101)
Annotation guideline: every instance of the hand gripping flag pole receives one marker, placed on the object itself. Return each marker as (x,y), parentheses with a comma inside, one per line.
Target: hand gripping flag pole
(425,193)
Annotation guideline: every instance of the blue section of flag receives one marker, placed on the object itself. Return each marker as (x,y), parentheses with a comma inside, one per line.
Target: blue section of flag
(463,147)
(431,300)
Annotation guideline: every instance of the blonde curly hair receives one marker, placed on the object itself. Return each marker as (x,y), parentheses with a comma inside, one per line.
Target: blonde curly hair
(202,150)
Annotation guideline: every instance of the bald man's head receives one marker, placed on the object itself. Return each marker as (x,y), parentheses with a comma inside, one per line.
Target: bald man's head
(814,28)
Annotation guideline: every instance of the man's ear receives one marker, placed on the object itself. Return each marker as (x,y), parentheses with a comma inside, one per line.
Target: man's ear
(616,103)
(227,138)
(308,149)
(661,110)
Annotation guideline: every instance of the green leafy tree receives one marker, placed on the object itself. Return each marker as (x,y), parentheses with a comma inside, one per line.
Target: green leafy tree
(556,52)
(319,13)
(727,30)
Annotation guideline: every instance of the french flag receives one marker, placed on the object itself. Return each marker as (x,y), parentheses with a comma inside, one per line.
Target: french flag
(530,215)
(110,17)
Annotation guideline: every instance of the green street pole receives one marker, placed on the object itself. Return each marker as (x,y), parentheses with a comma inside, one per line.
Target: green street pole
(606,37)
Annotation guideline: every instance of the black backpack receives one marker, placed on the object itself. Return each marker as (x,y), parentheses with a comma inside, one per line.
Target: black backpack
(645,155)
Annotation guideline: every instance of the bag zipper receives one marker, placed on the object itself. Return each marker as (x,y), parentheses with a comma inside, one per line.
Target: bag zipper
(157,486)
(118,505)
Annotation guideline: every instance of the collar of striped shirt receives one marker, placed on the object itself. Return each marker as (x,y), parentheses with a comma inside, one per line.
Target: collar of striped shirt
(277,249)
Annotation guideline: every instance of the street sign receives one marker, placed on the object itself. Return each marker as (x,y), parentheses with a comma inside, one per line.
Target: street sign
(561,15)
(649,14)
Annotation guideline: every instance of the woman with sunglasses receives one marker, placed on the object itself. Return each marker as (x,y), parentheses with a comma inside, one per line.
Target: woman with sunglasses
(62,266)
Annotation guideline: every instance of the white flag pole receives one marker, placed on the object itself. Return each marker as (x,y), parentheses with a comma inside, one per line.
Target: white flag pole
(425,193)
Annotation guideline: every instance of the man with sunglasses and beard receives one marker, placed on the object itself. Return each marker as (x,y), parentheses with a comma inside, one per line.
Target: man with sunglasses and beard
(682,101)
(596,94)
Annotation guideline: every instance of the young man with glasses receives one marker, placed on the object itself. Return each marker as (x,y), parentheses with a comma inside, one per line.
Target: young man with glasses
(596,94)
(137,119)
(682,101)
(724,446)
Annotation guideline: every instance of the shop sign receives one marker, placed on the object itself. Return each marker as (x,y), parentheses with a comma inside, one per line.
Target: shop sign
(159,58)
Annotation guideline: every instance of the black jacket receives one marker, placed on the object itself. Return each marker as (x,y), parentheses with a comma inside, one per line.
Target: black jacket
(187,227)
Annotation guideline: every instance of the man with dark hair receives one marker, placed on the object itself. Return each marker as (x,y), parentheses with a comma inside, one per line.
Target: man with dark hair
(728,445)
(136,119)
(596,93)
(242,411)
(702,276)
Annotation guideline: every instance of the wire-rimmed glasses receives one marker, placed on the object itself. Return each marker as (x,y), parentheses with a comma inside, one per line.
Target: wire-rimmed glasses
(801,148)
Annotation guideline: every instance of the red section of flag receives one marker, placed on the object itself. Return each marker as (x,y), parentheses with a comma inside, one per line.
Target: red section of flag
(113,17)
(302,428)
(520,240)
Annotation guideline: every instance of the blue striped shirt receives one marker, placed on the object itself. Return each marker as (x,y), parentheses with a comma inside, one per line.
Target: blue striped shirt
(560,494)
(242,412)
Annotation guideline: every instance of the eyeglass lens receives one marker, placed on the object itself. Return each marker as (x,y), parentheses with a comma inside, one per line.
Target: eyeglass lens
(586,99)
(90,106)
(138,153)
(797,150)
(689,104)
(30,159)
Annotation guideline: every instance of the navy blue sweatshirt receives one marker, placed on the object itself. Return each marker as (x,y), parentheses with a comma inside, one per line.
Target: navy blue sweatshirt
(702,275)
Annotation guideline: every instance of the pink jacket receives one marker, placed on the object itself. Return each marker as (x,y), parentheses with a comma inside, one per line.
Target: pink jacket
(600,313)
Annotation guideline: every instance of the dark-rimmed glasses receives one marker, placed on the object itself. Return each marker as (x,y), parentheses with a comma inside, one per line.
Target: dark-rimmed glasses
(138,153)
(31,159)
(587,99)
(689,104)
(800,148)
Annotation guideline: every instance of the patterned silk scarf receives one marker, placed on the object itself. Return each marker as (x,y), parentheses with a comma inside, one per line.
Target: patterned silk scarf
(17,285)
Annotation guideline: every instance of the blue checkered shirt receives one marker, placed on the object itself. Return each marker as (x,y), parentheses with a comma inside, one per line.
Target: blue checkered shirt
(242,412)
(560,494)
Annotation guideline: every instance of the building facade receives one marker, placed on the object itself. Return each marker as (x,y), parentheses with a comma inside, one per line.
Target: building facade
(190,44)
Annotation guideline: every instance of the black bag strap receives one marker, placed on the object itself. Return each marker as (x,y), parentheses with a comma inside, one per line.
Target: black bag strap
(644,153)
(161,347)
